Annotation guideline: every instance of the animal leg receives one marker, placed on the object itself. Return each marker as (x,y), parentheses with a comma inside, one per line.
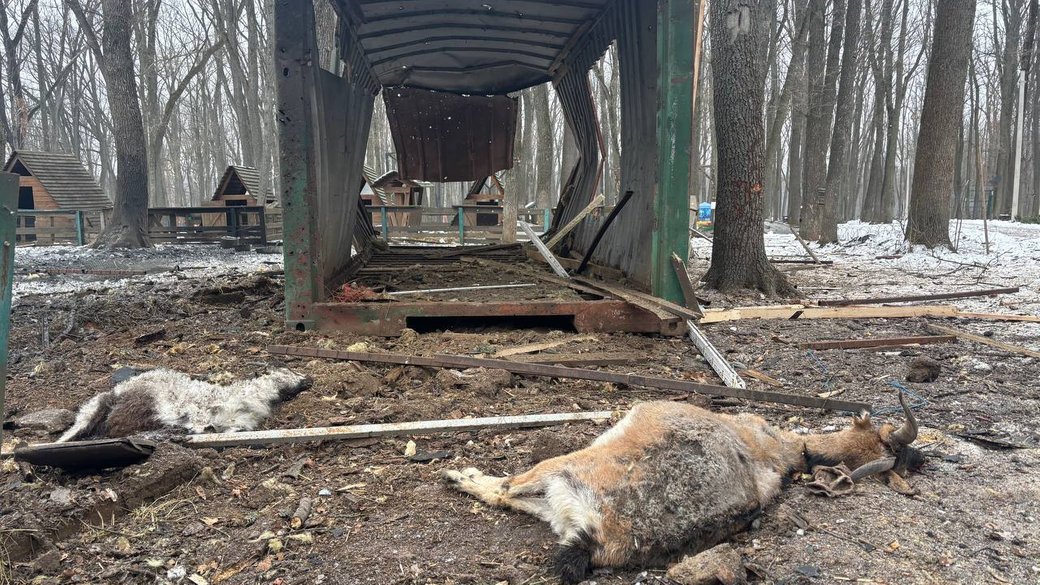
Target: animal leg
(497,491)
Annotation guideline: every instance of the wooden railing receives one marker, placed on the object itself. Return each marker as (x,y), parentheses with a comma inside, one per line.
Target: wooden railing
(464,223)
(188,225)
(49,227)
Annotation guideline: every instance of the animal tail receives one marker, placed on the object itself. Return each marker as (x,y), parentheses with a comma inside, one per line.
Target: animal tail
(288,383)
(92,419)
(574,558)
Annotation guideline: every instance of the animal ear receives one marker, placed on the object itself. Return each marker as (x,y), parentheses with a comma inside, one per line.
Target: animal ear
(862,421)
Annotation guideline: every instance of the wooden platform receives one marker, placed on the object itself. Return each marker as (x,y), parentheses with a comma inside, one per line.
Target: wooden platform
(577,309)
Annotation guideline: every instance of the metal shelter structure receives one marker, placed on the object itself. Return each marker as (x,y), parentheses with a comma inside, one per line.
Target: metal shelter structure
(446,69)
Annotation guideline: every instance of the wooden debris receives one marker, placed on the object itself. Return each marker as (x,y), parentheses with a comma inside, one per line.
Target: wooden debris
(700,234)
(603,227)
(714,358)
(804,245)
(553,262)
(792,312)
(801,261)
(281,436)
(985,341)
(303,511)
(640,299)
(533,347)
(689,294)
(150,337)
(879,342)
(454,361)
(458,289)
(562,233)
(763,377)
(999,317)
(597,270)
(913,298)
(578,359)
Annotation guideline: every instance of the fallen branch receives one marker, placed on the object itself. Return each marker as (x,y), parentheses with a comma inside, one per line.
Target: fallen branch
(985,341)
(303,511)
(881,342)
(453,361)
(913,298)
(281,436)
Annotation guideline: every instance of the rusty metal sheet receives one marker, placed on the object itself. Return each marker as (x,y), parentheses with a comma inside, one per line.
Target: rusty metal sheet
(446,137)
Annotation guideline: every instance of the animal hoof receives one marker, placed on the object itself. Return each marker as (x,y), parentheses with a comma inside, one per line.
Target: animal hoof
(451,476)
(472,472)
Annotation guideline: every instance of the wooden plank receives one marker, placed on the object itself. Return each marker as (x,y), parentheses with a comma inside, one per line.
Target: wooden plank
(457,289)
(578,359)
(762,376)
(999,317)
(878,342)
(714,358)
(540,275)
(596,202)
(533,347)
(599,270)
(791,312)
(553,262)
(913,298)
(985,340)
(282,436)
(687,285)
(453,361)
(641,299)
(801,261)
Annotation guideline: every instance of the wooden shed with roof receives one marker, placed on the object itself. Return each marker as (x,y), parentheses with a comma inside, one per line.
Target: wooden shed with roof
(55,182)
(238,187)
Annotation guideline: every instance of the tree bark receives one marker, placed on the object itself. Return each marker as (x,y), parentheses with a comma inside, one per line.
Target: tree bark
(929,220)
(544,167)
(739,32)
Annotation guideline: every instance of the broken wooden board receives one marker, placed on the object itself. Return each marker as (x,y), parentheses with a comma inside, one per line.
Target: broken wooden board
(878,342)
(578,359)
(545,252)
(791,312)
(763,377)
(985,340)
(533,347)
(714,358)
(454,361)
(640,299)
(596,202)
(281,436)
(686,284)
(914,298)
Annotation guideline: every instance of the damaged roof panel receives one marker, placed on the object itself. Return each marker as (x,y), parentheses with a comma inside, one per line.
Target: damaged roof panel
(467,46)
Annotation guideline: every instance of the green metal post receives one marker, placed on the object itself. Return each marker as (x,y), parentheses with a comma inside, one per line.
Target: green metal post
(8,228)
(462,227)
(81,236)
(546,218)
(674,127)
(384,225)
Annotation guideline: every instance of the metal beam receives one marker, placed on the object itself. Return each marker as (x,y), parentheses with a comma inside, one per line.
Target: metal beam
(478,14)
(8,221)
(674,130)
(461,25)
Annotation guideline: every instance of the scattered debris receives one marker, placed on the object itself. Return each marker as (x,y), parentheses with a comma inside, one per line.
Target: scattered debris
(915,298)
(886,342)
(985,340)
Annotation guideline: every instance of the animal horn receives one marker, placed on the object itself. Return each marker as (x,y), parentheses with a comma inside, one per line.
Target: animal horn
(907,433)
(874,467)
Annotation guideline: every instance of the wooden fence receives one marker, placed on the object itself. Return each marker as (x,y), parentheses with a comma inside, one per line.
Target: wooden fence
(49,227)
(464,223)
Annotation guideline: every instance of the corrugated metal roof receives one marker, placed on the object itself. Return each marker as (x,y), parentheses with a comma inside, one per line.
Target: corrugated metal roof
(468,46)
(64,177)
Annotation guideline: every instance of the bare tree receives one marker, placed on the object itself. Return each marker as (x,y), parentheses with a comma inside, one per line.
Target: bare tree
(929,219)
(128,227)
(739,35)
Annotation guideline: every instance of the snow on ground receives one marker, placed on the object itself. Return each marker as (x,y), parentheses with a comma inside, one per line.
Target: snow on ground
(163,263)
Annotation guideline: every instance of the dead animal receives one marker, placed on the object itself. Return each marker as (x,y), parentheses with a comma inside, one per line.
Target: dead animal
(168,400)
(672,477)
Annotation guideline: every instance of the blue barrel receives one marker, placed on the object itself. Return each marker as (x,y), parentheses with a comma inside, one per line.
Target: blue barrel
(704,211)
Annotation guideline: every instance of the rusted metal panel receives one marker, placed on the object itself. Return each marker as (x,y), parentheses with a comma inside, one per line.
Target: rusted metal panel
(388,319)
(447,137)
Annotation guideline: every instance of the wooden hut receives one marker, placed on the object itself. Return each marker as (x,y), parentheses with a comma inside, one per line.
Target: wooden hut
(54,181)
(238,187)
(483,192)
(396,191)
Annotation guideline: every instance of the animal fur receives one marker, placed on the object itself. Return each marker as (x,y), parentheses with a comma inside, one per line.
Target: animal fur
(165,399)
(668,477)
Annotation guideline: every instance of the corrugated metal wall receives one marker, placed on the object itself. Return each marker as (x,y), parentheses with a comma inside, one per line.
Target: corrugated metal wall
(627,244)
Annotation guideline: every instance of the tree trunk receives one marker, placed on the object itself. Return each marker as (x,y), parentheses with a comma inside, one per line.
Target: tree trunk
(738,257)
(828,219)
(128,227)
(941,116)
(821,109)
(543,123)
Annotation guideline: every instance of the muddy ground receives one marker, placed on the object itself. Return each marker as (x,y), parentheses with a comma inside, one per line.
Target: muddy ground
(383,518)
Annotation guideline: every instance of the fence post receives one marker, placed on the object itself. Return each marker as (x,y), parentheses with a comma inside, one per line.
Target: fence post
(81,235)
(462,226)
(546,218)
(384,224)
(8,229)
(263,225)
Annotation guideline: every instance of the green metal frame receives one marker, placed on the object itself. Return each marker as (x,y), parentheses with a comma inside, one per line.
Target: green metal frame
(8,229)
(671,231)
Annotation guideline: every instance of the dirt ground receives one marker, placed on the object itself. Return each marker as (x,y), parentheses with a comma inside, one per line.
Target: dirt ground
(383,518)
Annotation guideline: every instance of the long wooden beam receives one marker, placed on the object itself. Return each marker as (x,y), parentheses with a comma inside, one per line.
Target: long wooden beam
(792,312)
(878,342)
(912,298)
(277,436)
(454,361)
(985,341)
